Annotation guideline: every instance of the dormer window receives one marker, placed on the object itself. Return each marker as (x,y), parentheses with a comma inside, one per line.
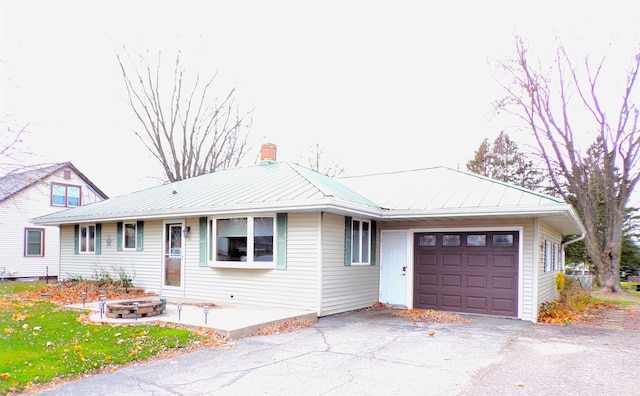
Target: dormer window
(65,195)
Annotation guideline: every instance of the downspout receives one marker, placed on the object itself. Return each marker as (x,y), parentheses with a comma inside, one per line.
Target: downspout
(569,242)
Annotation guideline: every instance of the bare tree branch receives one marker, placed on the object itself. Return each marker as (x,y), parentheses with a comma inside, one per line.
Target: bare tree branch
(189,131)
(598,181)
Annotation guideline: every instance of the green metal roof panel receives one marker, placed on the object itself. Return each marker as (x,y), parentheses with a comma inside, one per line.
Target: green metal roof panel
(265,184)
(443,188)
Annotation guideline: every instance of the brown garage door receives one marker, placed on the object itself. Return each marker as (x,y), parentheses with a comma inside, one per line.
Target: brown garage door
(475,272)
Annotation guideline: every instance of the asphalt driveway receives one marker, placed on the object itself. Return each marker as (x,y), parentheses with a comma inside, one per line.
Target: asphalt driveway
(376,353)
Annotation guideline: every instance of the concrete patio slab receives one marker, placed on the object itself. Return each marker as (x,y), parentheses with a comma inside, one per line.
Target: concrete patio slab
(231,320)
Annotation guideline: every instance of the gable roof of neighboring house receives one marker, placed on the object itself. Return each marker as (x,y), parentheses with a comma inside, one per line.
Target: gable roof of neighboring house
(437,193)
(442,192)
(15,182)
(270,186)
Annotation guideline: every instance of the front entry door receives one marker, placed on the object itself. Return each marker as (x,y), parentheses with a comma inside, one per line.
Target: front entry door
(393,267)
(173,254)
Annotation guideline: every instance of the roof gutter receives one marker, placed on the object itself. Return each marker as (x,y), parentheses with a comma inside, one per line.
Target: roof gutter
(569,242)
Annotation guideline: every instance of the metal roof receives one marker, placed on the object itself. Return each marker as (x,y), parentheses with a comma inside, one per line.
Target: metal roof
(441,192)
(266,187)
(438,192)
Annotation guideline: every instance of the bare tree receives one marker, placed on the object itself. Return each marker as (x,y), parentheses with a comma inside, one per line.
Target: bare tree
(597,180)
(12,151)
(188,130)
(319,162)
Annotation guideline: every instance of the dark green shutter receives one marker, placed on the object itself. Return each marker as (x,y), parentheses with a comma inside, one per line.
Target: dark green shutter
(374,241)
(119,236)
(76,239)
(347,240)
(281,228)
(139,235)
(98,235)
(203,241)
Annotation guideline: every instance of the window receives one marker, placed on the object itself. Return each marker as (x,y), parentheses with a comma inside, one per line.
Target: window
(64,195)
(451,240)
(427,240)
(33,242)
(87,239)
(476,240)
(243,239)
(129,236)
(547,256)
(556,261)
(503,240)
(360,242)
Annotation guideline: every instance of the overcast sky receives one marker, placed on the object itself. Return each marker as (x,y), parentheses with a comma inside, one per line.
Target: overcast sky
(381,86)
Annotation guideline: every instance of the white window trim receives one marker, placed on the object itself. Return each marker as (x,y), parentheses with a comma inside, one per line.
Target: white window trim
(87,251)
(124,235)
(250,263)
(360,262)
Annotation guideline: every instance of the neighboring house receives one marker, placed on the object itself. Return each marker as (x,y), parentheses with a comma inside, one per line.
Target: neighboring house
(26,249)
(283,235)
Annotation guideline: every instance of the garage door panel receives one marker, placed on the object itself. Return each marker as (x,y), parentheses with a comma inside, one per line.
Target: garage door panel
(428,279)
(428,260)
(475,279)
(504,305)
(451,260)
(451,280)
(477,260)
(428,300)
(505,262)
(451,302)
(503,283)
(477,303)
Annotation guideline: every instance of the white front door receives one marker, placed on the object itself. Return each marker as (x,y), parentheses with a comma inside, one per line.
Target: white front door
(393,267)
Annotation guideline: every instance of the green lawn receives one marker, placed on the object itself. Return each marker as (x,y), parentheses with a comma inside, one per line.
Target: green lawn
(11,287)
(40,341)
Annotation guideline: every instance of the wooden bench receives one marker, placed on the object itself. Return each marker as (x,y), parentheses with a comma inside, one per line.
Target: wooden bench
(632,278)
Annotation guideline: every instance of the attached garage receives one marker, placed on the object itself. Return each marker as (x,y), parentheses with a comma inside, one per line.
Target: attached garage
(472,272)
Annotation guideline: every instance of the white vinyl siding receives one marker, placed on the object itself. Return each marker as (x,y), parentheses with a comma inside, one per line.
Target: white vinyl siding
(547,279)
(293,287)
(16,214)
(142,266)
(344,288)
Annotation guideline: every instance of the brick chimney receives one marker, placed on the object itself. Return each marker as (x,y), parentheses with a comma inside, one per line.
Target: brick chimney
(268,152)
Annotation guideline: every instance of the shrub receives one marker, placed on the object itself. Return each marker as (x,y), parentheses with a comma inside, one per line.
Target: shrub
(124,278)
(74,278)
(102,277)
(560,282)
(575,296)
(569,307)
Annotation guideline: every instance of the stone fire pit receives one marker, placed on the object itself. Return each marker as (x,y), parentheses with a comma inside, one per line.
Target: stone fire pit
(126,309)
